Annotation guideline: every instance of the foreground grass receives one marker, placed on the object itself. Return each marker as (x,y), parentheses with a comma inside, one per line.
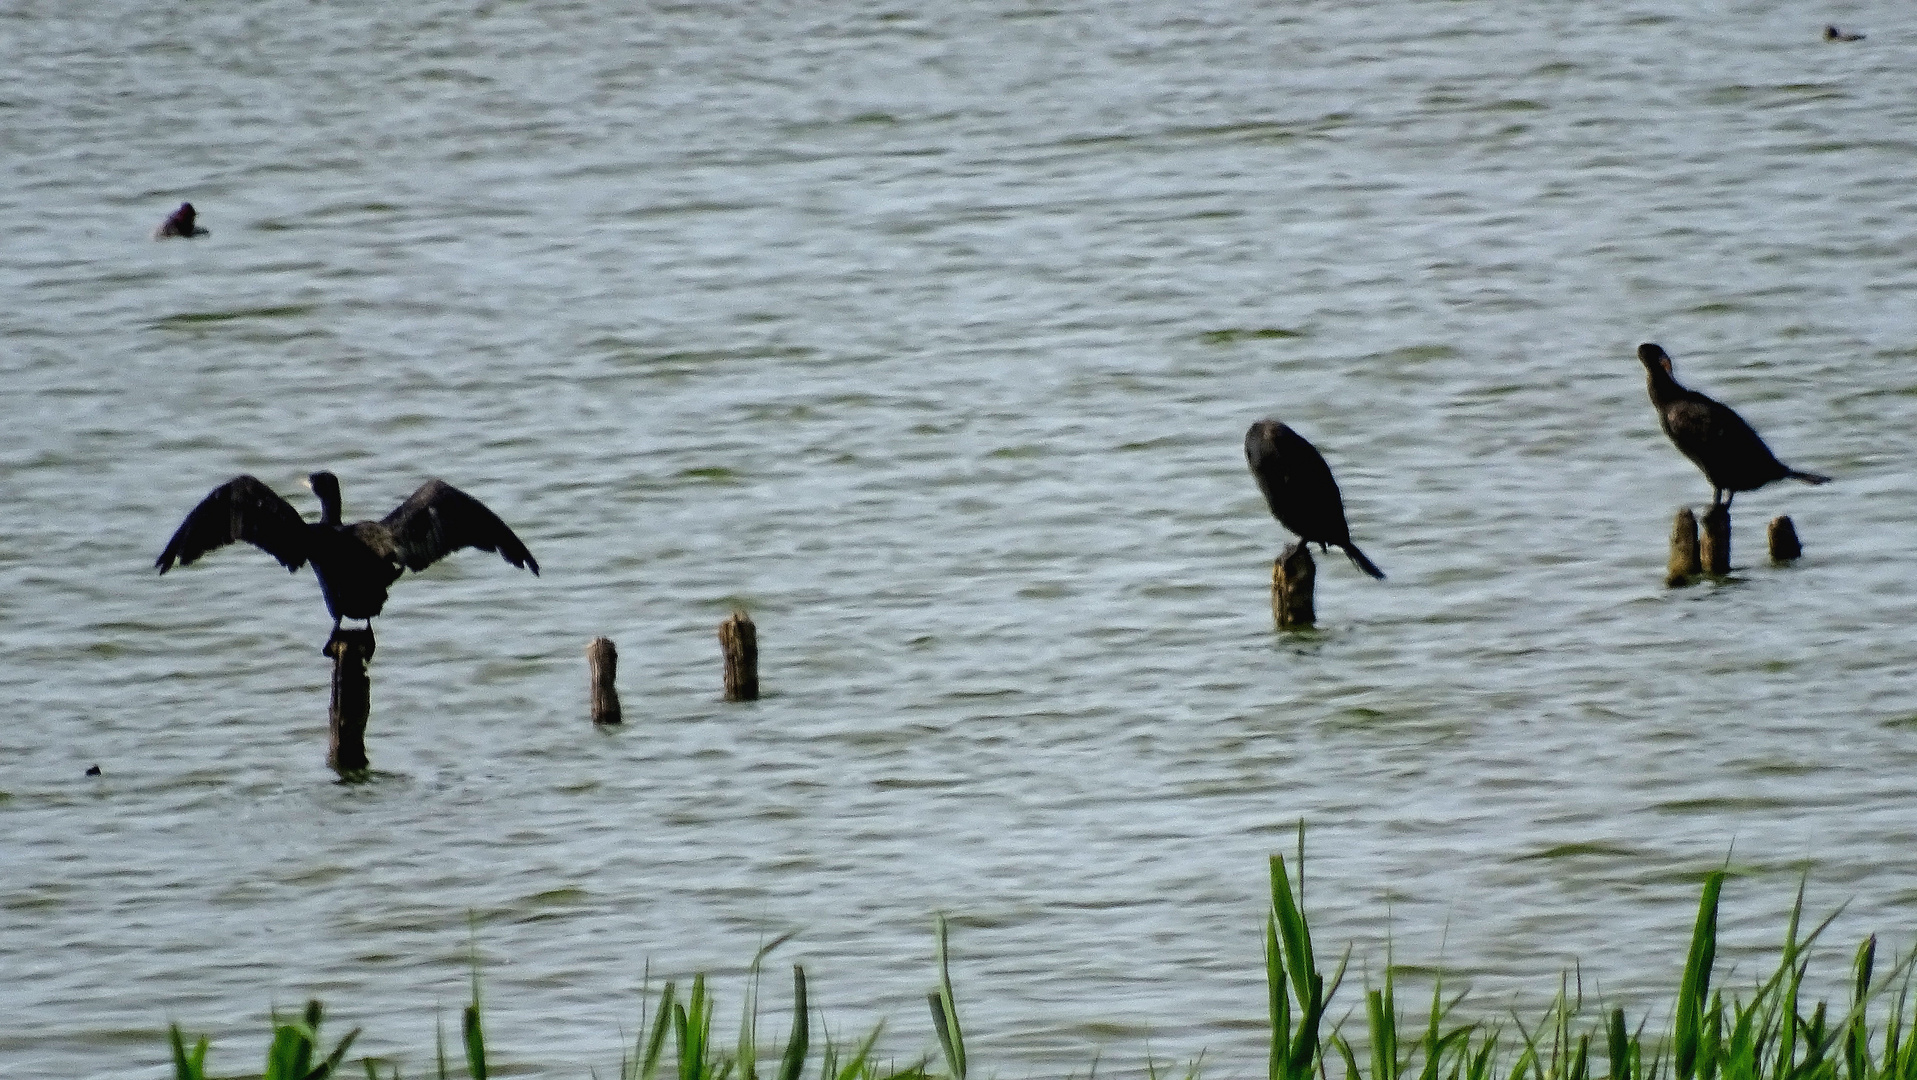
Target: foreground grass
(1764,1032)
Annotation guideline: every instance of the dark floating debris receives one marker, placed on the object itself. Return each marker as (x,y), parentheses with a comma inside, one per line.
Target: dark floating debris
(355,563)
(179,224)
(93,770)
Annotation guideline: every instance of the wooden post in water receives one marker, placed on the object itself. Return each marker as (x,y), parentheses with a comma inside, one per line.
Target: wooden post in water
(739,640)
(603,658)
(1293,575)
(352,700)
(1685,563)
(1716,546)
(1784,543)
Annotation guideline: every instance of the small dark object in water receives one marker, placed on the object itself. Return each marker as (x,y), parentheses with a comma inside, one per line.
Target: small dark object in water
(93,770)
(354,563)
(1299,488)
(1831,33)
(1712,435)
(179,223)
(1784,544)
(739,646)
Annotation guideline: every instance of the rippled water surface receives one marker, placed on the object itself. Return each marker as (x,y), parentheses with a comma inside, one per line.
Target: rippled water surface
(928,333)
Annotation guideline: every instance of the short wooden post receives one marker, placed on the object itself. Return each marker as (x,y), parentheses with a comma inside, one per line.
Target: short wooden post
(1685,563)
(739,640)
(1716,546)
(1293,576)
(1784,543)
(603,658)
(352,700)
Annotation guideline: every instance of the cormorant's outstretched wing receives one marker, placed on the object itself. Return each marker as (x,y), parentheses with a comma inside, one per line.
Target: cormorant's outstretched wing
(438,520)
(243,508)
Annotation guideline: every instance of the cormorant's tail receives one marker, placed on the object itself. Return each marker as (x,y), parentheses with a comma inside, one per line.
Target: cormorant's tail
(1358,559)
(1807,477)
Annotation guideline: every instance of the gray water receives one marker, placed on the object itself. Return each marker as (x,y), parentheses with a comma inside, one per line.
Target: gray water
(929,335)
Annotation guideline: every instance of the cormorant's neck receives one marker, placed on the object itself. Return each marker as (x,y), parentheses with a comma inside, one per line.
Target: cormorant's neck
(1663,385)
(326,490)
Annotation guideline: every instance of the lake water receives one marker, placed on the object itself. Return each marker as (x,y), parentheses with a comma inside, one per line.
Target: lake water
(929,334)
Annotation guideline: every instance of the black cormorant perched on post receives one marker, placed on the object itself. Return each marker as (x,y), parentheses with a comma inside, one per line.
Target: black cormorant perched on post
(1712,435)
(354,563)
(179,223)
(1300,490)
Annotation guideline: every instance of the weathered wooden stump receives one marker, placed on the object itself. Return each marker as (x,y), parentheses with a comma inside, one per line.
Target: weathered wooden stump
(1783,539)
(1716,546)
(1293,575)
(1685,563)
(603,659)
(352,700)
(739,641)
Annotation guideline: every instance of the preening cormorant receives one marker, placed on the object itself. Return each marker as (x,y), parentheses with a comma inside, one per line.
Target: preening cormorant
(179,223)
(1712,435)
(1299,489)
(354,563)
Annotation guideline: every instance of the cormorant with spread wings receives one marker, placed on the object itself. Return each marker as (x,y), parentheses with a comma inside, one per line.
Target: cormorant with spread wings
(357,562)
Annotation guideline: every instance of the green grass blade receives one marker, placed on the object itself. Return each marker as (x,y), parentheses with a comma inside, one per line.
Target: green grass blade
(187,1066)
(856,1067)
(1382,1015)
(1695,988)
(1618,1043)
(1278,1002)
(945,1008)
(792,1063)
(473,1037)
(662,1022)
(327,1067)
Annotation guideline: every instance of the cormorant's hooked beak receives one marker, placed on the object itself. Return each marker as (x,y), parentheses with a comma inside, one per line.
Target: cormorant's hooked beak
(307,484)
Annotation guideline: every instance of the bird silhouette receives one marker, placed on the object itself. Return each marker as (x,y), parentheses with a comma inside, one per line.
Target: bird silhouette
(1710,433)
(1299,488)
(179,223)
(355,563)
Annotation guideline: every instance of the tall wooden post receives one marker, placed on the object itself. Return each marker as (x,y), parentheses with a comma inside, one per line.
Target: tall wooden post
(603,659)
(1716,546)
(1293,576)
(1685,562)
(739,640)
(352,700)
(1783,539)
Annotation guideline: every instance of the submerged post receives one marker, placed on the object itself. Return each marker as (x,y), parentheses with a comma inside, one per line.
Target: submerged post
(739,640)
(1716,546)
(352,700)
(1685,563)
(1293,575)
(1784,543)
(603,658)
